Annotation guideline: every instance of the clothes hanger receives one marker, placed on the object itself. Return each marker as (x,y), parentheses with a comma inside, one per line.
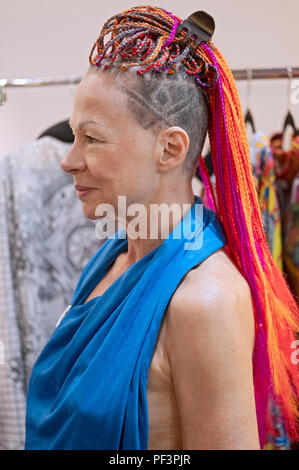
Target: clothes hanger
(248,115)
(289,121)
(249,120)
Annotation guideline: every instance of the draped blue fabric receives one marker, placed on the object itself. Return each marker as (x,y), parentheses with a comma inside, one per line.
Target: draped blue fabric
(88,387)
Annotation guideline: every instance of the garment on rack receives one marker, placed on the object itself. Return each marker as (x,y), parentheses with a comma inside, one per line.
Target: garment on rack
(286,167)
(45,241)
(294,156)
(61,131)
(279,440)
(88,387)
(281,166)
(291,242)
(263,169)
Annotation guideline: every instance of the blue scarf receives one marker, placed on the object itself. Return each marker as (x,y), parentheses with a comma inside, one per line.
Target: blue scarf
(88,387)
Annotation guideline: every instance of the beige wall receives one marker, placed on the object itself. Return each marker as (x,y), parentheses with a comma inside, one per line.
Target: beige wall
(53,39)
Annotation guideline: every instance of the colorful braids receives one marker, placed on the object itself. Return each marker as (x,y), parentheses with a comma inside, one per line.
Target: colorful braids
(144,36)
(147,34)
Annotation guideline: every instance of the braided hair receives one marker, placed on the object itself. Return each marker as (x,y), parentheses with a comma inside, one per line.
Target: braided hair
(143,39)
(162,93)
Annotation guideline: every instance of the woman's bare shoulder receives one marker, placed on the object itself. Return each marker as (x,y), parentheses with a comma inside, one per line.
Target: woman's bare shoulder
(215,292)
(215,275)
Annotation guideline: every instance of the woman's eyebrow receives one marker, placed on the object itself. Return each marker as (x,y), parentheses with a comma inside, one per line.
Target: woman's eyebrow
(84,123)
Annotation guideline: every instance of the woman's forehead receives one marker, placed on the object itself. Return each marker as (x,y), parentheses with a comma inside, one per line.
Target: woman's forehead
(98,94)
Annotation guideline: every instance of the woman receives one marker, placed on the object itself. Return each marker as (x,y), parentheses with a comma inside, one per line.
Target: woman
(174,341)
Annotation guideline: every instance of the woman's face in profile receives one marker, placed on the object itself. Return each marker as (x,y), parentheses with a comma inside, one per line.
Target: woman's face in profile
(112,154)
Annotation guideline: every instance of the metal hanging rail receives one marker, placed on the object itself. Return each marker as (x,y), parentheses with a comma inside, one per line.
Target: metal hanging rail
(265,74)
(33,82)
(239,74)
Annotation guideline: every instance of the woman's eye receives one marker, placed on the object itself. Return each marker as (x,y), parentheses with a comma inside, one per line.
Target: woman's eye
(91,139)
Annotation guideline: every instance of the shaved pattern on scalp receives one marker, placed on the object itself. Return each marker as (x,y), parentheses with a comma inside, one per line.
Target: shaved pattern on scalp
(158,101)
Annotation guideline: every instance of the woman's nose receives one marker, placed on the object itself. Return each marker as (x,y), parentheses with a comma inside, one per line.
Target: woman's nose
(72,162)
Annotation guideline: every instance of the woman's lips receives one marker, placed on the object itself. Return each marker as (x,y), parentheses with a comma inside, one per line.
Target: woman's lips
(82,191)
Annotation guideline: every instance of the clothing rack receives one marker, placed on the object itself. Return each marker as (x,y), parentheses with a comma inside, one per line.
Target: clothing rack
(239,74)
(33,82)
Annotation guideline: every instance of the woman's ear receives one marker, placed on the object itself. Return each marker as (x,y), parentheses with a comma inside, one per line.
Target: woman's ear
(173,147)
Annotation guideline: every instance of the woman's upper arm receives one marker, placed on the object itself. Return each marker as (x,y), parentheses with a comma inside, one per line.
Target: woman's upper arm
(209,344)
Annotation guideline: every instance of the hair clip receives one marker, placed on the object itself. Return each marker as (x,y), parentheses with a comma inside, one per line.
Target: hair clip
(200,26)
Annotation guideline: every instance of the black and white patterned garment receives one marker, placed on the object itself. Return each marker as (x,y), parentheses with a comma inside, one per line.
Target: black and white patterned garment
(45,241)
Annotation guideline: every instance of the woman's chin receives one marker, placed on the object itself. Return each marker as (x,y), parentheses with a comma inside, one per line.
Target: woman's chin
(89,211)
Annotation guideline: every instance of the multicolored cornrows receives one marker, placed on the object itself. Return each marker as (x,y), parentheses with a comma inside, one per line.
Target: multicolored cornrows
(145,36)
